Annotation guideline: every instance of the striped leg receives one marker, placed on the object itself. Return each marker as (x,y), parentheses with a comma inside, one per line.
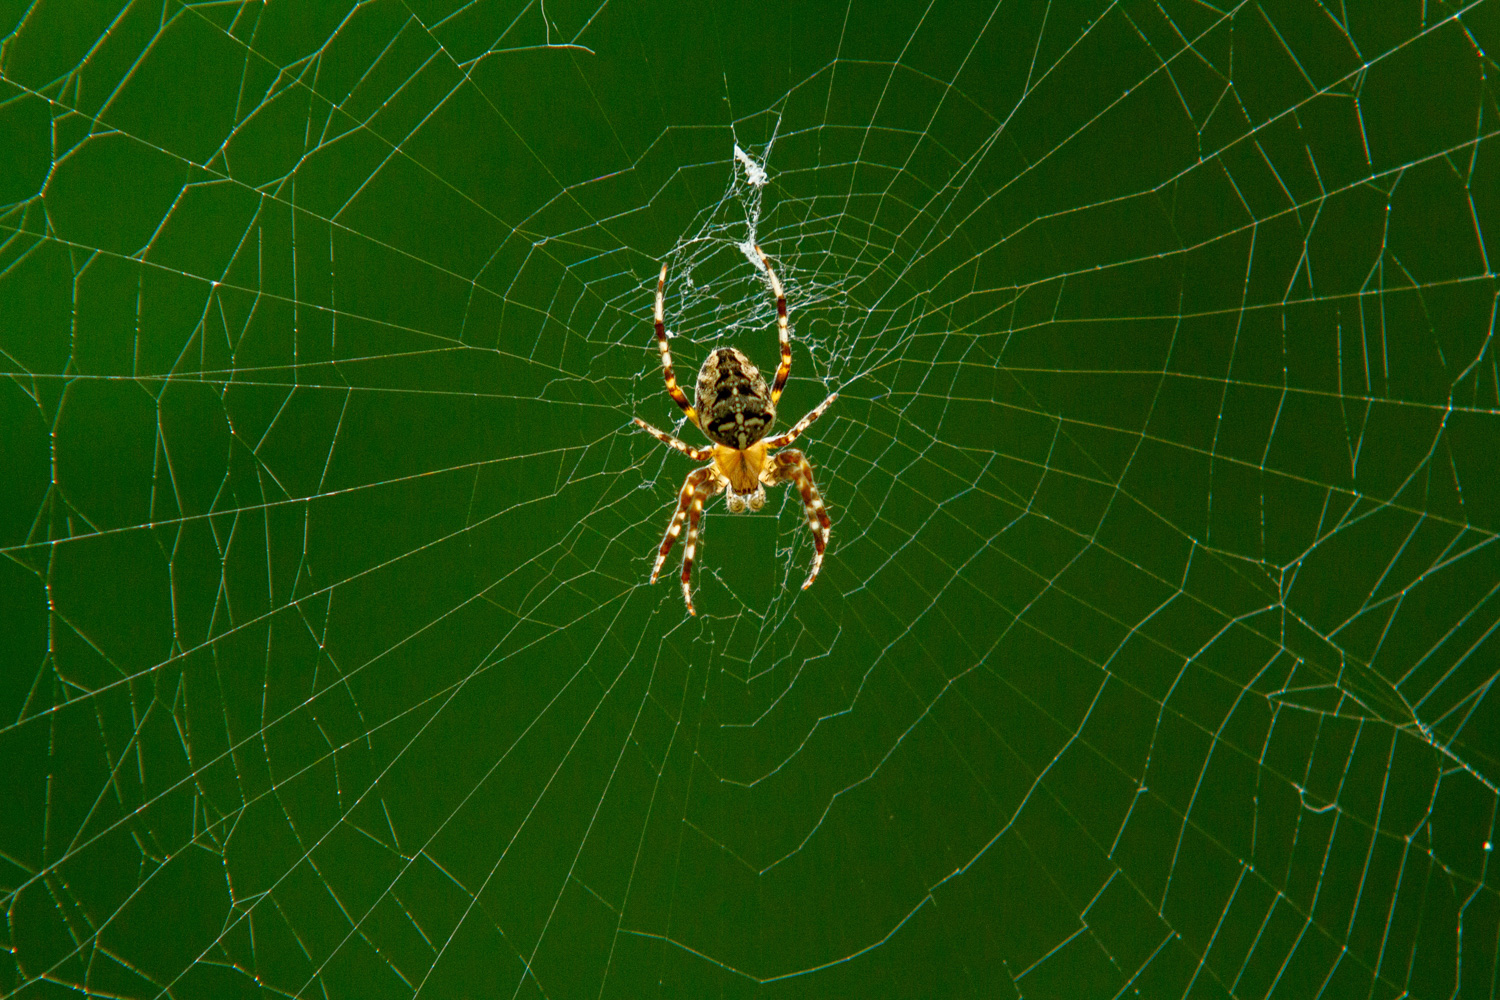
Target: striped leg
(793,465)
(695,511)
(696,454)
(785,368)
(782,440)
(690,487)
(678,396)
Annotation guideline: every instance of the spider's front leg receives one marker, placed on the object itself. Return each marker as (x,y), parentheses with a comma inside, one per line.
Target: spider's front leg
(695,511)
(699,485)
(793,465)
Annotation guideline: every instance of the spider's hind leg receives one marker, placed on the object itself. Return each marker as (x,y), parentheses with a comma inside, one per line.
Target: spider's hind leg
(783,332)
(673,389)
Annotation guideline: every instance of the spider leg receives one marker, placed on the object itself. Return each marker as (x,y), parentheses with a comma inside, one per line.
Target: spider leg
(690,487)
(793,465)
(785,368)
(782,440)
(678,396)
(696,454)
(695,511)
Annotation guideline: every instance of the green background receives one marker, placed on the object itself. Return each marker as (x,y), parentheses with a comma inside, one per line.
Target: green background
(1156,648)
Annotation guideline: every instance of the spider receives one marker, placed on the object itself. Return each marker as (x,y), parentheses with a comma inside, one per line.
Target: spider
(736,410)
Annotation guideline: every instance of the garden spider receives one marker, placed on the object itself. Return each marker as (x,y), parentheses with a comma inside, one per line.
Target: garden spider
(736,410)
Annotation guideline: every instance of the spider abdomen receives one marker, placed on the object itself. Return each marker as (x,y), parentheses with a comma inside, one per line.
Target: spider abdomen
(734,405)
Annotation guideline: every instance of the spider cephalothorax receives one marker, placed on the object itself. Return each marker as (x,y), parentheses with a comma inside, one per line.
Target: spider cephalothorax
(736,411)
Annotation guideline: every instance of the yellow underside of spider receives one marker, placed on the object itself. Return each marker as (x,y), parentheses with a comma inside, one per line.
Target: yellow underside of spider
(742,470)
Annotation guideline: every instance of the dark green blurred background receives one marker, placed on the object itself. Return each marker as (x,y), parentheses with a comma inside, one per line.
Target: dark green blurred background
(1155,652)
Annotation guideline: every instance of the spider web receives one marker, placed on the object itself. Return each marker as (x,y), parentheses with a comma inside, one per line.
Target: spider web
(1155,652)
